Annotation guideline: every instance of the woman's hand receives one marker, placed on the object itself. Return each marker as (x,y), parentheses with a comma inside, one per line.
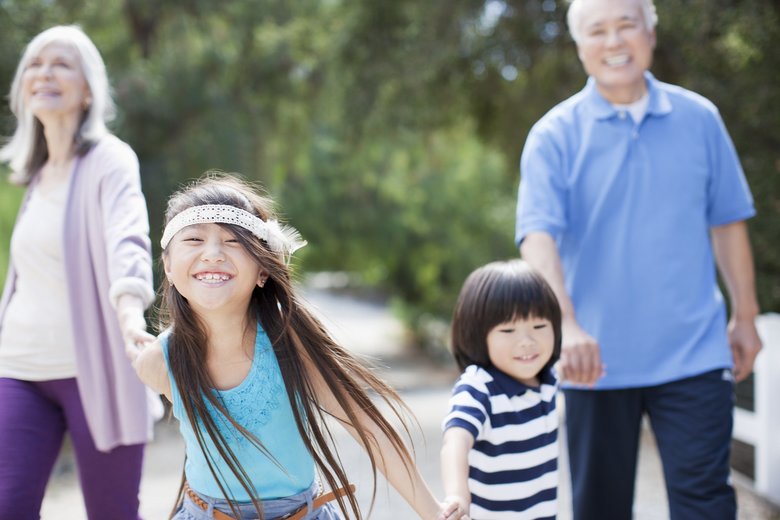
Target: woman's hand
(132,324)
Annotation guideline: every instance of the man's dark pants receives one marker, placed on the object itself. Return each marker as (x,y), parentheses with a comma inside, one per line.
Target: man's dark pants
(692,422)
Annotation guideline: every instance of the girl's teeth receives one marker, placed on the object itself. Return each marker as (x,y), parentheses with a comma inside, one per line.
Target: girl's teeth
(213,276)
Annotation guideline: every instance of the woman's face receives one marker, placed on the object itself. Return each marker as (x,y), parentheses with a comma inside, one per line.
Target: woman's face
(53,83)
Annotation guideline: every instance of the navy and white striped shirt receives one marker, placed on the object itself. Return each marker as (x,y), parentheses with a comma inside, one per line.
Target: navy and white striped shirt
(513,466)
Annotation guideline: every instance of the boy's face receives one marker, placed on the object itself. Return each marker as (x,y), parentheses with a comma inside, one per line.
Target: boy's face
(520,348)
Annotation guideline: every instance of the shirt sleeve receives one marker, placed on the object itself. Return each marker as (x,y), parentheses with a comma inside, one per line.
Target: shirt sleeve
(468,407)
(542,195)
(728,194)
(128,247)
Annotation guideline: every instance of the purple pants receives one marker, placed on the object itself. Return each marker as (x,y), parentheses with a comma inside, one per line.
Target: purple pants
(34,416)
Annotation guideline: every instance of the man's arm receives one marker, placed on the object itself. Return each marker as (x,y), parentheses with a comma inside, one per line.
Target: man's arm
(580,354)
(733,255)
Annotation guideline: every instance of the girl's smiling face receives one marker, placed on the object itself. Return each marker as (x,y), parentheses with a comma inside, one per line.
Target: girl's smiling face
(521,348)
(211,269)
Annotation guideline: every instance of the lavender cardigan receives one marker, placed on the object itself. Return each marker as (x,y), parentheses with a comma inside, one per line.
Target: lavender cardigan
(106,231)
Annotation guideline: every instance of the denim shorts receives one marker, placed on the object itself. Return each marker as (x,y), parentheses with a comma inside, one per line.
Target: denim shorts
(272,509)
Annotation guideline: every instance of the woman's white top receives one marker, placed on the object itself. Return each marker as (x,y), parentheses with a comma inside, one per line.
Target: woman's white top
(36,339)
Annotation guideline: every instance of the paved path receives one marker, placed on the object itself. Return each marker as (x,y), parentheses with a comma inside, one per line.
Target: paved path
(369,330)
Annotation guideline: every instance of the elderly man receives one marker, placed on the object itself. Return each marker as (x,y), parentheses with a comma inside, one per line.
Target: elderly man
(630,192)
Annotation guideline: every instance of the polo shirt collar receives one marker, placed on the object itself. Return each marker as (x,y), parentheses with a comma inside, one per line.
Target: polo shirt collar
(511,386)
(658,105)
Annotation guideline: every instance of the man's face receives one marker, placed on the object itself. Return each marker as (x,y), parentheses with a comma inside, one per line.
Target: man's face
(615,47)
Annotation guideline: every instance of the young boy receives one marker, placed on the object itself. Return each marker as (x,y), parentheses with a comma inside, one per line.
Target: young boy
(499,457)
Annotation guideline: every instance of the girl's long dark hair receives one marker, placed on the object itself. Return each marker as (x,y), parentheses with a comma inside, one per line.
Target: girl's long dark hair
(295,335)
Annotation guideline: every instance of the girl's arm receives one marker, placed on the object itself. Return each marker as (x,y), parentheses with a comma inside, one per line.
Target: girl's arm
(457,443)
(149,364)
(407,480)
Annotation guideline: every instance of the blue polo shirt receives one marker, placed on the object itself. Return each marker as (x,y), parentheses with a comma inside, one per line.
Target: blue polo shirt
(630,207)
(513,465)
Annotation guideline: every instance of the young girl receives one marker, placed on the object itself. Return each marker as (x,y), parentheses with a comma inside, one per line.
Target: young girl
(252,375)
(500,449)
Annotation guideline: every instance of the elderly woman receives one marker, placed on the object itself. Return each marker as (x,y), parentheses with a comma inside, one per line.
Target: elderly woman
(79,281)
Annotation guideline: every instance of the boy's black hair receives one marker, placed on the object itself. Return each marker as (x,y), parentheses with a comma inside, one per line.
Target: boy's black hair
(496,293)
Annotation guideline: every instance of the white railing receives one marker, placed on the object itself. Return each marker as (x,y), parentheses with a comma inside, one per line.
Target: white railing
(761,427)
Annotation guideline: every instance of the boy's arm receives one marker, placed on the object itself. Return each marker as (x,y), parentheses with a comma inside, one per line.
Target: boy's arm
(403,475)
(149,365)
(457,442)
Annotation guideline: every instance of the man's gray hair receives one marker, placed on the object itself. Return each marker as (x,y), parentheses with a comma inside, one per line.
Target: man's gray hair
(574,16)
(26,150)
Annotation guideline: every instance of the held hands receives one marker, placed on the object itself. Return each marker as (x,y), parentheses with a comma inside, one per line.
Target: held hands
(580,355)
(132,324)
(453,508)
(745,346)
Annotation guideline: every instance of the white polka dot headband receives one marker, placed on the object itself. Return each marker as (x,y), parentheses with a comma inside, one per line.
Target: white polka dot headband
(280,239)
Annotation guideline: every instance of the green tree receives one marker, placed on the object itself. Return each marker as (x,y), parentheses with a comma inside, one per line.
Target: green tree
(390,130)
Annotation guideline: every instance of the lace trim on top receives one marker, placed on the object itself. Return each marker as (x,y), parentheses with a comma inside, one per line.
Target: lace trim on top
(252,402)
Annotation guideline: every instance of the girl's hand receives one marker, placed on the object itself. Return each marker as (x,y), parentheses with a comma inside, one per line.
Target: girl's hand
(453,508)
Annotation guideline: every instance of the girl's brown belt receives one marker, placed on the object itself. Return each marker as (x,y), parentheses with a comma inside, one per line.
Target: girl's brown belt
(295,515)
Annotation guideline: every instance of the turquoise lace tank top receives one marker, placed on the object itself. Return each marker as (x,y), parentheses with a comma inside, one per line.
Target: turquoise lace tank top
(259,404)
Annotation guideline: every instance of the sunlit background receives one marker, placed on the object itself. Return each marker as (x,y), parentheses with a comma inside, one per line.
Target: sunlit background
(390,130)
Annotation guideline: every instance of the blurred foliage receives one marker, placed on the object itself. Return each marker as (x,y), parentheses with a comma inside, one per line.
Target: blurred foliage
(390,130)
(10,197)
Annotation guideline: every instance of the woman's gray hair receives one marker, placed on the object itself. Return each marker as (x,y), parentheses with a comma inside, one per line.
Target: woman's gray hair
(26,150)
(574,16)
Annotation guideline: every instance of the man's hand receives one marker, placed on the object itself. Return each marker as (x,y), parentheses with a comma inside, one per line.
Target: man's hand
(580,355)
(745,346)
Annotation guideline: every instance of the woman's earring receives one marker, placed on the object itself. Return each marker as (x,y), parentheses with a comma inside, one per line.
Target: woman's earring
(170,282)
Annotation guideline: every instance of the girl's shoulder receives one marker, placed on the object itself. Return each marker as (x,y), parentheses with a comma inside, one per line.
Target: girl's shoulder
(150,355)
(162,340)
(152,369)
